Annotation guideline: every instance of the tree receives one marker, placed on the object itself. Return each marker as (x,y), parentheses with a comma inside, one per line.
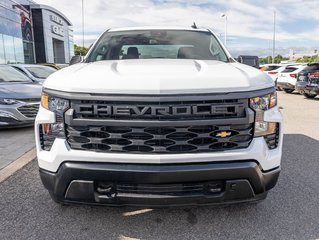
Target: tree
(278,59)
(80,50)
(308,59)
(265,60)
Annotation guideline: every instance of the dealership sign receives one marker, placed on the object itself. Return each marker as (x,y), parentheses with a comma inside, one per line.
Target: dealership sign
(57,30)
(56,19)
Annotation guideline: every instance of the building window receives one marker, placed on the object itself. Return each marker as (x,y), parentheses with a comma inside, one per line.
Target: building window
(28,52)
(2,56)
(18,50)
(9,49)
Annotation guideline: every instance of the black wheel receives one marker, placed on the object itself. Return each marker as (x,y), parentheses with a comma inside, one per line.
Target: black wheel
(289,90)
(308,95)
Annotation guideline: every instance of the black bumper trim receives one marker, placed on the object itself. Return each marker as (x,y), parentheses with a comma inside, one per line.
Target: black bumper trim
(75,182)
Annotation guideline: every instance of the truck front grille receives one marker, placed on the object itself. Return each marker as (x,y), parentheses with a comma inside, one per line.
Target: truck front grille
(160,126)
(206,138)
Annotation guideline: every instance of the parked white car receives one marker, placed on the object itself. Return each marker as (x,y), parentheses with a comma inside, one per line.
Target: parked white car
(273,70)
(288,77)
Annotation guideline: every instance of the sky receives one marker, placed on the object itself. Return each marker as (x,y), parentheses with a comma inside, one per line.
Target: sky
(249,22)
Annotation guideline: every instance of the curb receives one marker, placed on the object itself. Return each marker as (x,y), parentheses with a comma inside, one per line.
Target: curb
(17,164)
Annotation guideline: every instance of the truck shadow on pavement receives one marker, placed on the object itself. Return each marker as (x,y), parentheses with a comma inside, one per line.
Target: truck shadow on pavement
(290,211)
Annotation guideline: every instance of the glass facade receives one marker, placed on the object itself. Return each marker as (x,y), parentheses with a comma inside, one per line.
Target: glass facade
(71,43)
(2,54)
(9,51)
(15,30)
(19,33)
(28,52)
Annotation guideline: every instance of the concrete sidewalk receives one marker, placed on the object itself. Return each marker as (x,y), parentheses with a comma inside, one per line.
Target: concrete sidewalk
(14,143)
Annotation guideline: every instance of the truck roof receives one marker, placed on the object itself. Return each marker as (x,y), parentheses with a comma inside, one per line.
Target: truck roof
(158,28)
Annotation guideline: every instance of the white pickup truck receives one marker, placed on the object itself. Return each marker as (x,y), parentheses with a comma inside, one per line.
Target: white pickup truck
(159,117)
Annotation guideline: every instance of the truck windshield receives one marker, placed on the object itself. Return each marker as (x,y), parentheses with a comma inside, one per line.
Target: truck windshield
(149,44)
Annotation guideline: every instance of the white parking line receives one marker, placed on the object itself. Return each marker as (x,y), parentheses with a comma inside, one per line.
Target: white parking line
(17,164)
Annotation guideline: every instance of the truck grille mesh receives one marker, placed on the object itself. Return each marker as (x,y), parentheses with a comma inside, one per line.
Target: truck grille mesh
(94,125)
(159,139)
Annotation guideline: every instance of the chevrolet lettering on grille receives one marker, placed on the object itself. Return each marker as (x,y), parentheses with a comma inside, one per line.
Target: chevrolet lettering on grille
(161,110)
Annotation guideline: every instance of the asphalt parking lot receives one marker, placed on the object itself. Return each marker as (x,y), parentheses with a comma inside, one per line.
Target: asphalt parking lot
(14,143)
(290,211)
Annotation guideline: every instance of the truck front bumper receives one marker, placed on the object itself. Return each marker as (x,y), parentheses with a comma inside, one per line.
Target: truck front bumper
(159,185)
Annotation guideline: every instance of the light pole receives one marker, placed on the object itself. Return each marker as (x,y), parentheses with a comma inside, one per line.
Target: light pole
(224,15)
(83,23)
(269,54)
(274,39)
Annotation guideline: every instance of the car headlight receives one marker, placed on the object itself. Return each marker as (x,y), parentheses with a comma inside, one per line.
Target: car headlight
(58,106)
(260,105)
(5,101)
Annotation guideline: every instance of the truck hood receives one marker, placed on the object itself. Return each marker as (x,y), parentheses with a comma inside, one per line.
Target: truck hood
(20,91)
(158,76)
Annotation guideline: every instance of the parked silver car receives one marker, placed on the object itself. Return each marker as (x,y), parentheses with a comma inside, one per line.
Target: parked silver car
(37,73)
(19,98)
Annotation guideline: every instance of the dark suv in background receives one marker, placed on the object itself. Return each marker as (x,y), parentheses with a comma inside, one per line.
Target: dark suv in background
(308,80)
(252,61)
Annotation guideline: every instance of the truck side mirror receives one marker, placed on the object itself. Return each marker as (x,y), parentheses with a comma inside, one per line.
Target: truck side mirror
(76,59)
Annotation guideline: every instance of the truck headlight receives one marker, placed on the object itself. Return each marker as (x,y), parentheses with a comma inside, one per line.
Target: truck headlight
(260,105)
(58,106)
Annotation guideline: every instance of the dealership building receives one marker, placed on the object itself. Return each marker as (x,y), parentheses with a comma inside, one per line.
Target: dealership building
(34,33)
